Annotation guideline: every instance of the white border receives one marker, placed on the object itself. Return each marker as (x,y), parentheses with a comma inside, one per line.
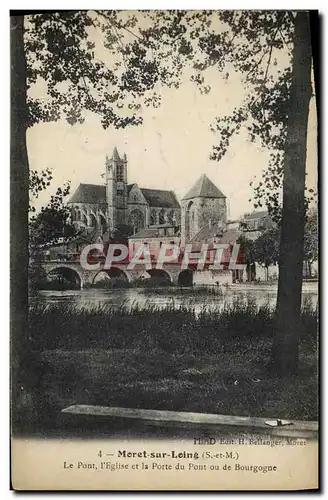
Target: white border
(4,184)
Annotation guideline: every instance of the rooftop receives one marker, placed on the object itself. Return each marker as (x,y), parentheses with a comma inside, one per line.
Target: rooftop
(155,232)
(204,188)
(96,194)
(160,198)
(207,232)
(256,215)
(89,193)
(147,232)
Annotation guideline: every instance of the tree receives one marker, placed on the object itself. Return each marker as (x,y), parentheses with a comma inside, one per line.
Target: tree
(51,224)
(19,202)
(266,249)
(275,111)
(284,356)
(311,240)
(53,221)
(121,233)
(247,254)
(256,44)
(55,49)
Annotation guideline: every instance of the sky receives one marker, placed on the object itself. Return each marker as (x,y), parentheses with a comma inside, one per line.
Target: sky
(169,151)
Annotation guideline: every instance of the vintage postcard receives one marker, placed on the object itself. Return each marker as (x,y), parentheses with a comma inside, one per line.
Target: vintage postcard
(164,250)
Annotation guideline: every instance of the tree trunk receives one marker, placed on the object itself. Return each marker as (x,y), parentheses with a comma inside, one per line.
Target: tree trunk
(249,272)
(284,355)
(19,201)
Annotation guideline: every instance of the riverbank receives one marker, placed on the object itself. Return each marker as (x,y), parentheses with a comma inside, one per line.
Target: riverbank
(199,297)
(169,359)
(157,285)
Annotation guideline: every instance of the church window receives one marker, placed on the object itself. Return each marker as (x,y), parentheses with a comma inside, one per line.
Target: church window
(170,217)
(119,173)
(162,217)
(136,220)
(152,218)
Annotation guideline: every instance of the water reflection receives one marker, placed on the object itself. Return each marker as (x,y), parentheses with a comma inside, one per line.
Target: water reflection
(141,297)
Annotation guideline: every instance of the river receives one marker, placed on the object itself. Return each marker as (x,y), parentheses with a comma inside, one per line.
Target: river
(260,295)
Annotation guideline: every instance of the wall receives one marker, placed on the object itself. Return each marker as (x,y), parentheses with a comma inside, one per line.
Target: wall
(91,215)
(154,244)
(197,212)
(211,208)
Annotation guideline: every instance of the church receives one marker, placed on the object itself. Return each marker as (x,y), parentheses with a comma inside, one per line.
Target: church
(148,214)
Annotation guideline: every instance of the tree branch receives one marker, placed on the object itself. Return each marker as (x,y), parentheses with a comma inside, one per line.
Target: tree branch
(110,23)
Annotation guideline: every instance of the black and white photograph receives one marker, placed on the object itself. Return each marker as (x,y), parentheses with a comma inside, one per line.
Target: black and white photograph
(164,250)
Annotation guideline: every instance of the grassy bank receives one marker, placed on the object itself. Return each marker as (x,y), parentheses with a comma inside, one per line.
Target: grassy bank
(168,329)
(171,359)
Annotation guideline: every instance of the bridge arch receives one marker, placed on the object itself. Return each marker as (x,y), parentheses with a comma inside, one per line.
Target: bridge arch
(66,274)
(160,276)
(115,276)
(185,277)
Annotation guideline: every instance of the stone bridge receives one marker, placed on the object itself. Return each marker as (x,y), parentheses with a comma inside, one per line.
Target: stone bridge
(73,271)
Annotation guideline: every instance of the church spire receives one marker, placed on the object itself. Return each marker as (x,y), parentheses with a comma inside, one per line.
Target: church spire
(115,155)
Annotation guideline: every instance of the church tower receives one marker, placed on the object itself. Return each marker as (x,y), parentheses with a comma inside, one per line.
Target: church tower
(203,205)
(116,189)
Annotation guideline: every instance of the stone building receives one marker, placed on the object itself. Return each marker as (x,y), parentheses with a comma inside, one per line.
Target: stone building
(99,209)
(116,203)
(255,223)
(154,217)
(203,204)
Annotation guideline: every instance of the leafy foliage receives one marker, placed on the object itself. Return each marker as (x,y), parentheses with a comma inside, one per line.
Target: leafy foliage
(51,224)
(156,48)
(311,238)
(247,250)
(53,221)
(61,54)
(121,233)
(264,250)
(38,181)
(267,247)
(257,45)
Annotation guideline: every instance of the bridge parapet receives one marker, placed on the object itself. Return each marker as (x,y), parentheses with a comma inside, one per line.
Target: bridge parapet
(170,271)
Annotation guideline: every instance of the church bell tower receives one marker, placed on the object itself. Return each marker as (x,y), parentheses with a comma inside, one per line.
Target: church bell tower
(116,189)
